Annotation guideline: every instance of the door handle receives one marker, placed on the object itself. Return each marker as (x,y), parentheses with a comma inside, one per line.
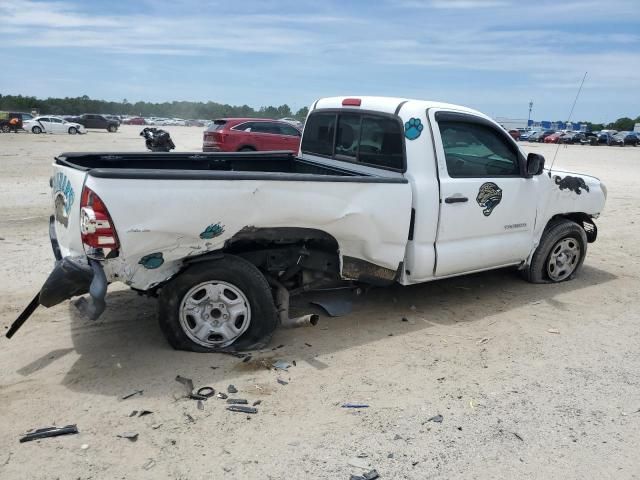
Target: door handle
(456,199)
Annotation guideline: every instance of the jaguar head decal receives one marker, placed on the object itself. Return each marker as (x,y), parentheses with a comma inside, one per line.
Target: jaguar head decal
(489,196)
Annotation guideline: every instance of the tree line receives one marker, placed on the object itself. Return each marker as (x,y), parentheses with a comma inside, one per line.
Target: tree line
(84,104)
(208,110)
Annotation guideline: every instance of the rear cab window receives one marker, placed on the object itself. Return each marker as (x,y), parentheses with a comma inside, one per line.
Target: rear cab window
(365,138)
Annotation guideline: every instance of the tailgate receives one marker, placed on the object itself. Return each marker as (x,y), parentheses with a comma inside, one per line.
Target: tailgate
(66,188)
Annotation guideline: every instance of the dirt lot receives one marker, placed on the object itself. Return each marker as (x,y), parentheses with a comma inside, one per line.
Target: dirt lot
(516,400)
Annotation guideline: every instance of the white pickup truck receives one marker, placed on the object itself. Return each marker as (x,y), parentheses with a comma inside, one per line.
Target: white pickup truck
(382,190)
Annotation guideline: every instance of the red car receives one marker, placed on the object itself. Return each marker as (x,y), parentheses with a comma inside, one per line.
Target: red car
(135,121)
(250,134)
(515,134)
(553,138)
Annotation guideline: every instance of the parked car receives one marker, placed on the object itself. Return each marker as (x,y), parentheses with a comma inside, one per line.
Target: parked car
(135,121)
(544,135)
(10,122)
(526,134)
(515,134)
(553,138)
(115,118)
(296,123)
(194,123)
(100,122)
(624,138)
(51,124)
(535,136)
(250,134)
(367,199)
(605,137)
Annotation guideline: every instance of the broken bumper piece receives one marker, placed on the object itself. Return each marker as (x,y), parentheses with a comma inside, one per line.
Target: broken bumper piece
(69,278)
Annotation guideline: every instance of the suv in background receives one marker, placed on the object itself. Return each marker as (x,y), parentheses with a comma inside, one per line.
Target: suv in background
(7,124)
(250,134)
(92,120)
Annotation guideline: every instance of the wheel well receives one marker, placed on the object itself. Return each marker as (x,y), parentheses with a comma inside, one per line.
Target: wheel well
(243,147)
(582,219)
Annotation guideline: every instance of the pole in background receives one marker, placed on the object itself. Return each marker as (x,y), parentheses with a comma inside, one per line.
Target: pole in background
(530,108)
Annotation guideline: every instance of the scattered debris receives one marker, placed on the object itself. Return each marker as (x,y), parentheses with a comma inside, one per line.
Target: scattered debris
(144,413)
(359,463)
(436,418)
(518,436)
(187,382)
(222,395)
(242,409)
(553,330)
(133,414)
(279,347)
(200,405)
(156,426)
(280,365)
(47,432)
(282,382)
(308,344)
(397,437)
(370,475)
(84,446)
(195,396)
(405,319)
(206,392)
(213,368)
(362,455)
(256,403)
(232,389)
(355,405)
(150,464)
(441,379)
(246,359)
(294,363)
(238,401)
(131,436)
(189,418)
(483,340)
(135,392)
(390,455)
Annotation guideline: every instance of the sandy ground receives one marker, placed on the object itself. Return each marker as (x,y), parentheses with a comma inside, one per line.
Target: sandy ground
(516,400)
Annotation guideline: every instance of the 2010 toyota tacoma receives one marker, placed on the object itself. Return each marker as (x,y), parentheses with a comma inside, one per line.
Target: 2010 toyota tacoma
(382,190)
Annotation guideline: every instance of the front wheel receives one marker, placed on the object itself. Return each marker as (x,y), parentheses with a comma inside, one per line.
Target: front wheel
(224,304)
(112,128)
(36,130)
(560,255)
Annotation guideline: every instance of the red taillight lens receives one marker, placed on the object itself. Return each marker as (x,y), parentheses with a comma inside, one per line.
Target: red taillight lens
(351,102)
(96,226)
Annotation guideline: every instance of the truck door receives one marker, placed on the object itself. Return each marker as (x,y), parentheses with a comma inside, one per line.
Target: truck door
(487,206)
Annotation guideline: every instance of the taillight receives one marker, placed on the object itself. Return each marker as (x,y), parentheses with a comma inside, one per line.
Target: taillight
(96,226)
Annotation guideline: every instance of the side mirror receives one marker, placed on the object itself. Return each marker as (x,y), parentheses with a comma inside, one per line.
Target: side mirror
(535,164)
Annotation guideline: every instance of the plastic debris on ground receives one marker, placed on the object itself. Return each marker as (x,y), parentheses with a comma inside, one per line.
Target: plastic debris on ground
(436,418)
(242,409)
(47,432)
(237,401)
(131,436)
(370,475)
(232,389)
(281,365)
(355,405)
(135,392)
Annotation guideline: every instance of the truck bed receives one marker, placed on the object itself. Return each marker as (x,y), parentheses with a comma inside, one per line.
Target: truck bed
(279,165)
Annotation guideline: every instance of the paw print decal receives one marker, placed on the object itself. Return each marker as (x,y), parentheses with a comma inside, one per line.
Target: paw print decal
(151,261)
(413,128)
(212,231)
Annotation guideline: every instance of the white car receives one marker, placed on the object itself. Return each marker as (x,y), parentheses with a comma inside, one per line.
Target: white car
(52,125)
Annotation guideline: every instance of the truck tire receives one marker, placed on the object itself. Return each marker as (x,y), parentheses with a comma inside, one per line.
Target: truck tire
(560,255)
(222,305)
(112,128)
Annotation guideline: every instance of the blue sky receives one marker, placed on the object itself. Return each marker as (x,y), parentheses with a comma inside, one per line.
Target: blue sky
(493,55)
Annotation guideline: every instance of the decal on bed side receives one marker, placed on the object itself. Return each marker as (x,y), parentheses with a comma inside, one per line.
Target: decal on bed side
(63,197)
(489,196)
(413,128)
(151,261)
(574,184)
(212,231)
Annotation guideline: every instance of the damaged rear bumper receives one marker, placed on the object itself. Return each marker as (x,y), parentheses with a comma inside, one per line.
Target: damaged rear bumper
(70,277)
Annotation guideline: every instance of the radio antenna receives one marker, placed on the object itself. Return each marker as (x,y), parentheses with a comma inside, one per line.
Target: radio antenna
(568,120)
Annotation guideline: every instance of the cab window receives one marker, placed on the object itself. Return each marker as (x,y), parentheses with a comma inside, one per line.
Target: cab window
(477,150)
(363,138)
